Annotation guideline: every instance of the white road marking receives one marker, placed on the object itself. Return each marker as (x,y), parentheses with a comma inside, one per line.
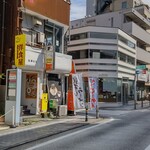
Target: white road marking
(69,135)
(148,148)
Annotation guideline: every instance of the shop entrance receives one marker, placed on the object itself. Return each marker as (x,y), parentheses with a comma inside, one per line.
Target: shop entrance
(125,93)
(29,95)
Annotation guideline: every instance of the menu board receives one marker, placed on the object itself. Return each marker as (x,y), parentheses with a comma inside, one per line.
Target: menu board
(31,86)
(12,80)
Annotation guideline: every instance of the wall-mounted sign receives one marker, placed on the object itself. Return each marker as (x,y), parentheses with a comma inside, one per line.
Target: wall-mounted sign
(49,58)
(31,86)
(20,50)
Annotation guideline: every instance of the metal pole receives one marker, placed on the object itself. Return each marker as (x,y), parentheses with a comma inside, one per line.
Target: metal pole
(97,112)
(135,94)
(141,100)
(149,99)
(86,113)
(13,118)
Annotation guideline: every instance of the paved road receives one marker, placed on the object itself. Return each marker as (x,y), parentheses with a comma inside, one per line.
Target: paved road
(129,131)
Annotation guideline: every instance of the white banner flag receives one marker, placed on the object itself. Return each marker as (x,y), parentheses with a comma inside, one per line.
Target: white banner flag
(78,93)
(93,88)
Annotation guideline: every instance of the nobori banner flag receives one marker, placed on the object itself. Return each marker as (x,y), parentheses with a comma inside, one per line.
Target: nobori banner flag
(78,93)
(93,88)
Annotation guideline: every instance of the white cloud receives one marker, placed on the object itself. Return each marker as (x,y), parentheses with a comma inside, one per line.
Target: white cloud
(147,2)
(78,9)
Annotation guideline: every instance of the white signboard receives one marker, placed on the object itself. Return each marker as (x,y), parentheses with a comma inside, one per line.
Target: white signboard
(78,93)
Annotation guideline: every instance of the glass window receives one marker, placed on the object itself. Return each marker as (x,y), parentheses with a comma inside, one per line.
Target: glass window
(103,54)
(127,42)
(96,55)
(53,35)
(126,58)
(122,56)
(79,54)
(131,60)
(108,54)
(124,5)
(109,89)
(78,36)
(103,35)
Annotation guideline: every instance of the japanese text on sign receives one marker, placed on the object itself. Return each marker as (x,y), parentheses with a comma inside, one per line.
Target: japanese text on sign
(78,92)
(20,50)
(93,85)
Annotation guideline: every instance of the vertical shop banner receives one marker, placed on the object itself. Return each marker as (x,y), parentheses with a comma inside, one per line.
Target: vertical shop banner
(78,92)
(20,42)
(49,58)
(31,86)
(93,88)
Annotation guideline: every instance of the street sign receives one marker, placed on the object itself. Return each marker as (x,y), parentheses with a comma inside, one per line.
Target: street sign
(141,67)
(139,71)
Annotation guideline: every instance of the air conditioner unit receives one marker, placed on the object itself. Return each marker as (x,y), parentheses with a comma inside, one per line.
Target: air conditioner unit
(40,37)
(62,110)
(37,22)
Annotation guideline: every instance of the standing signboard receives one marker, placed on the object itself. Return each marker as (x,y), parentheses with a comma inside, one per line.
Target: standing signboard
(78,92)
(20,50)
(13,96)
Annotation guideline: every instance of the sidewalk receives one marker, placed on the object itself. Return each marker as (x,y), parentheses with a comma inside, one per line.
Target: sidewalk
(120,106)
(21,135)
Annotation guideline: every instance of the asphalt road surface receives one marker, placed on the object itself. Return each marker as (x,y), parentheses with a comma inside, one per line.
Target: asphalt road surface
(128,131)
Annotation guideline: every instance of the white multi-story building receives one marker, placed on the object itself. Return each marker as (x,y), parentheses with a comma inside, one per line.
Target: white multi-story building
(108,54)
(131,16)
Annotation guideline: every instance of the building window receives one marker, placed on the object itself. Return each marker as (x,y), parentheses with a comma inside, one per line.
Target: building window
(124,5)
(126,58)
(79,54)
(103,54)
(101,35)
(122,57)
(127,42)
(53,35)
(79,36)
(96,55)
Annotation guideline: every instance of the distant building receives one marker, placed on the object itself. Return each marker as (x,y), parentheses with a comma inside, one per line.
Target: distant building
(108,54)
(132,17)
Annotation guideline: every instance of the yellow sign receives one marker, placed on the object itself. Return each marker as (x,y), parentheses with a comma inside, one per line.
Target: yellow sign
(20,50)
(44,102)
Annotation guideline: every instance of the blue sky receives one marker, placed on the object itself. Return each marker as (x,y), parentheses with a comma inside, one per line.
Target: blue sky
(78,9)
